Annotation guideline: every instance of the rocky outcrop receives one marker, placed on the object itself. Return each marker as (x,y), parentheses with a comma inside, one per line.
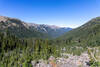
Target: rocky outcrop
(71,61)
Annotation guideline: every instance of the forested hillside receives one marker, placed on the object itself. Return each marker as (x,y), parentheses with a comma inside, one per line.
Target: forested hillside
(88,33)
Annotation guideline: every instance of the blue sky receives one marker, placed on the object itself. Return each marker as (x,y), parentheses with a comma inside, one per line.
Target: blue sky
(64,13)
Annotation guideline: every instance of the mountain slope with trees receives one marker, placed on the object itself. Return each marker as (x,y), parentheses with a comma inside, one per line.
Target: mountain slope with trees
(88,33)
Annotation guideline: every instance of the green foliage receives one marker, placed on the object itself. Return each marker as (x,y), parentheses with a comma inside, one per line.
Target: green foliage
(94,54)
(43,49)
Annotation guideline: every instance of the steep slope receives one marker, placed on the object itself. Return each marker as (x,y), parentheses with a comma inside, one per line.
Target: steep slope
(19,28)
(88,33)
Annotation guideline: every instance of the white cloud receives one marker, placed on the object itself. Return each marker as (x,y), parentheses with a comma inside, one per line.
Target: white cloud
(72,26)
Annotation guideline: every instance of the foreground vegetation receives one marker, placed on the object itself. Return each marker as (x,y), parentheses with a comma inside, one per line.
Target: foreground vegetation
(15,52)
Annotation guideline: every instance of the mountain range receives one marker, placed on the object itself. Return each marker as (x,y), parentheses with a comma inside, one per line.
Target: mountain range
(26,30)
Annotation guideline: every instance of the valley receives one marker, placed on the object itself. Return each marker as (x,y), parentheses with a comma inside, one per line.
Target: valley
(33,45)
(49,33)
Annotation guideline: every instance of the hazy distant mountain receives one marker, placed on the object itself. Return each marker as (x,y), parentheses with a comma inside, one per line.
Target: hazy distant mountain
(26,30)
(51,30)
